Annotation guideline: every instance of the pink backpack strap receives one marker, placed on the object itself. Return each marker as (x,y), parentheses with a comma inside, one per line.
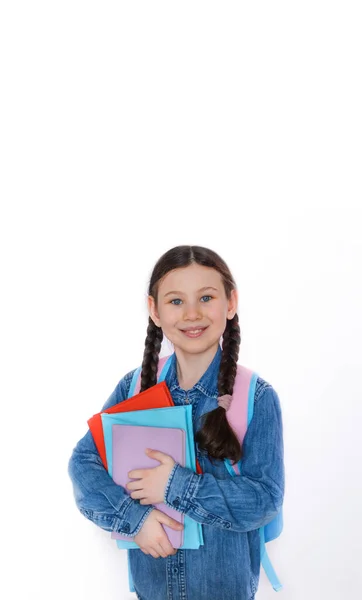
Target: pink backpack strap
(237,414)
(161,364)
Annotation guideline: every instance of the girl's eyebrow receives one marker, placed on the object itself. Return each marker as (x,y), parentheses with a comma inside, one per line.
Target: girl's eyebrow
(200,290)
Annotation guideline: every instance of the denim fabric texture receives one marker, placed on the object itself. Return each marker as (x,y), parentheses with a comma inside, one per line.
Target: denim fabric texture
(231,509)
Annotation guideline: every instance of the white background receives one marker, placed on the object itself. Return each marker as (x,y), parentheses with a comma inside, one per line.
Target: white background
(128,128)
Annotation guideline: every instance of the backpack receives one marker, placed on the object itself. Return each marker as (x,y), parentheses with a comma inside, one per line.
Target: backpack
(239,416)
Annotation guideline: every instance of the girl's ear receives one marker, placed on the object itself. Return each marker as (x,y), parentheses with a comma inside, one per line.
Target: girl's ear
(232,304)
(153,311)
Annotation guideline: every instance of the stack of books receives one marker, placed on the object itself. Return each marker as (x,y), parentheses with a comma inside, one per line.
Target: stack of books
(148,420)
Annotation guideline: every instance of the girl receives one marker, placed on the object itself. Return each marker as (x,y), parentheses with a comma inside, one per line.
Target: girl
(192,300)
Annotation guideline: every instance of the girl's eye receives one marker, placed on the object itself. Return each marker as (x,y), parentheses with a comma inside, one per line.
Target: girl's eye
(177,301)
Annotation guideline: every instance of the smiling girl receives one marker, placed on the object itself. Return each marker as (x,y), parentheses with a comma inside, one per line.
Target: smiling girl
(192,301)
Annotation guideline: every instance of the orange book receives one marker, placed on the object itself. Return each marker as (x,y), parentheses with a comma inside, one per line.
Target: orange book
(157,396)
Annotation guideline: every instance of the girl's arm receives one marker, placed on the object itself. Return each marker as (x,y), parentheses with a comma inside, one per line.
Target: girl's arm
(96,495)
(242,502)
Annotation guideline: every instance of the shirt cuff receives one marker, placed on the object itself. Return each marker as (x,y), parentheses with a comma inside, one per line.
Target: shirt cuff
(181,487)
(131,517)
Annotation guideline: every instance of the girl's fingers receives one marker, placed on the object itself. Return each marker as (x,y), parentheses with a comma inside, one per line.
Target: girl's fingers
(161,551)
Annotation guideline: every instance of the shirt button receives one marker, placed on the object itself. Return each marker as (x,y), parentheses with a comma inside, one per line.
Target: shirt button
(176,501)
(175,570)
(127,528)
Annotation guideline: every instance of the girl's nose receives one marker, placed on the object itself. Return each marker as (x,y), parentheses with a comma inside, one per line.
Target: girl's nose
(192,311)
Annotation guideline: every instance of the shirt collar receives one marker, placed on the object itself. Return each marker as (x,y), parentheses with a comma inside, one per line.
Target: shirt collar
(207,383)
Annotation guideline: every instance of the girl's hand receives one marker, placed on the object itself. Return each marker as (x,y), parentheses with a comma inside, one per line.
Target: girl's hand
(151,483)
(152,538)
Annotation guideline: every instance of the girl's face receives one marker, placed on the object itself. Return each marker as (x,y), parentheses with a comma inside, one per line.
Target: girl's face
(192,308)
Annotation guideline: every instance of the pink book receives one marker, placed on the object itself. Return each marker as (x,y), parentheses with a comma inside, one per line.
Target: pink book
(129,443)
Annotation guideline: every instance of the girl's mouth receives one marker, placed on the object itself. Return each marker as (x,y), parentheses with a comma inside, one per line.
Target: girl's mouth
(194,333)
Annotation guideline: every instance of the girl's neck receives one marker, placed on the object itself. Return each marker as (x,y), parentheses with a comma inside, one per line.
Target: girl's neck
(191,367)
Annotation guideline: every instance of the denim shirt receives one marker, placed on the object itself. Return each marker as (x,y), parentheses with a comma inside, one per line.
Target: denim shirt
(230,508)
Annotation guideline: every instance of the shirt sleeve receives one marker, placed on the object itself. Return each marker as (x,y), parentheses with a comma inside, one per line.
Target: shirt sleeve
(97,496)
(242,502)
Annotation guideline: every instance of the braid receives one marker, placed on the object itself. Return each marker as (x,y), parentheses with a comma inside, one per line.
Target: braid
(216,436)
(151,355)
(229,359)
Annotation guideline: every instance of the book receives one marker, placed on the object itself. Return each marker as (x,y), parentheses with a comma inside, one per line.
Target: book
(129,443)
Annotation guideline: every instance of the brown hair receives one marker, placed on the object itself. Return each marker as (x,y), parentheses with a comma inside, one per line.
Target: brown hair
(216,436)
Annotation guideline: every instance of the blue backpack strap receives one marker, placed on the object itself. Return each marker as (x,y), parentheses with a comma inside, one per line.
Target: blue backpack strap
(136,375)
(267,566)
(264,558)
(251,396)
(164,370)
